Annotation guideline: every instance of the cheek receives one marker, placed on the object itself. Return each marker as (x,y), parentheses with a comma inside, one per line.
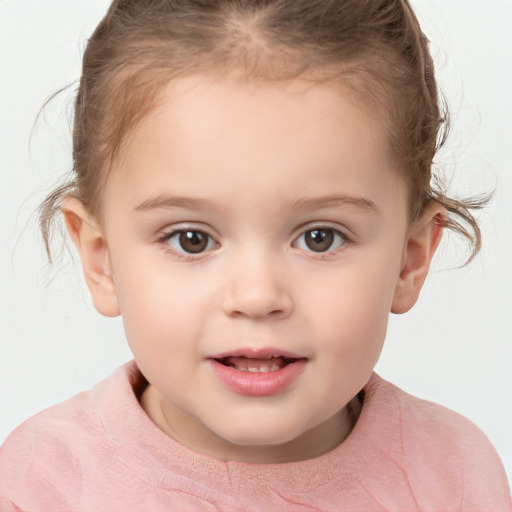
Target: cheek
(159,306)
(352,307)
(354,325)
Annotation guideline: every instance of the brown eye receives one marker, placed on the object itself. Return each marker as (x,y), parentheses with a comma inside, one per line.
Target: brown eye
(193,241)
(320,240)
(190,241)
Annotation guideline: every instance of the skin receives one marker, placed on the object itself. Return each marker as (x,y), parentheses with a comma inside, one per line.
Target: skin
(255,167)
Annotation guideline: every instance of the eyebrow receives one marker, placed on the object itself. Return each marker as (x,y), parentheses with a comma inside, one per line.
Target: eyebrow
(169,202)
(317,203)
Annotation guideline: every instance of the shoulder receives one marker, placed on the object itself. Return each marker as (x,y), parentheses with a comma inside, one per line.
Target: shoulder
(59,425)
(427,424)
(439,447)
(45,451)
(46,456)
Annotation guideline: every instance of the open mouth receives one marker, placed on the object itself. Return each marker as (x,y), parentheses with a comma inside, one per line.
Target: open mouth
(256,365)
(257,373)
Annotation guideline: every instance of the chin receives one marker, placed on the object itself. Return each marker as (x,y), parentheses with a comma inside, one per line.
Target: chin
(260,436)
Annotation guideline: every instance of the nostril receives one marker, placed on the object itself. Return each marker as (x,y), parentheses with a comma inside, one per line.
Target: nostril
(258,312)
(256,299)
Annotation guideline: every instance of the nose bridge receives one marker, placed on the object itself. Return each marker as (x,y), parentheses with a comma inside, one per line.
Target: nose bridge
(256,285)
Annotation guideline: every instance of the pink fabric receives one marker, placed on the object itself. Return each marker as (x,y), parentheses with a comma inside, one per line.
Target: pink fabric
(100,452)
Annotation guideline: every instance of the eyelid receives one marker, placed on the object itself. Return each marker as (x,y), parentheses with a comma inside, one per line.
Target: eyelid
(167,233)
(187,226)
(341,231)
(311,226)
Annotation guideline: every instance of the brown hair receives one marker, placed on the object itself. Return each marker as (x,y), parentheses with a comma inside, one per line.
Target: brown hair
(374,47)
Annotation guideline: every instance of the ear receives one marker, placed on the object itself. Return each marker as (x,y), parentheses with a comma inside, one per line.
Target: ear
(422,241)
(93,250)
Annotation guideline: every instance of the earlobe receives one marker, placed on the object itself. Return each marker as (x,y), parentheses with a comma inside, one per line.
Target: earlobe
(421,244)
(92,248)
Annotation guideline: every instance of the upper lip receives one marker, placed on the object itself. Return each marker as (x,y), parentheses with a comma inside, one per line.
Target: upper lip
(257,353)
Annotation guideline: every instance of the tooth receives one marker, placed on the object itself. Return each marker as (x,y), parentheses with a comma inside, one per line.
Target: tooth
(261,367)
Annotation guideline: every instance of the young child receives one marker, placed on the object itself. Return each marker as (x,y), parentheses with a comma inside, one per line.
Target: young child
(252,192)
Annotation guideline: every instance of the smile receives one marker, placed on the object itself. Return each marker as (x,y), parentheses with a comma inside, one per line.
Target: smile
(257,365)
(257,374)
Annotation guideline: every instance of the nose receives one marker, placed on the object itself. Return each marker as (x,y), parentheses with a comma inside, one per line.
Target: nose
(256,288)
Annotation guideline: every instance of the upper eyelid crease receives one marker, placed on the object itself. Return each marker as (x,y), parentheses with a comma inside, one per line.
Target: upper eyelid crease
(348,234)
(181,228)
(164,239)
(168,233)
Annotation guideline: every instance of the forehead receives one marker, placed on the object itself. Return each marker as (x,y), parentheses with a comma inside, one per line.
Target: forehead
(207,131)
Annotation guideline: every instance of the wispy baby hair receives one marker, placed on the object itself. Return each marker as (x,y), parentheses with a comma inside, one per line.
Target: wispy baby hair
(373,48)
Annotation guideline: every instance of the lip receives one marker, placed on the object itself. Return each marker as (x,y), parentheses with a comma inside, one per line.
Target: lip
(260,353)
(257,384)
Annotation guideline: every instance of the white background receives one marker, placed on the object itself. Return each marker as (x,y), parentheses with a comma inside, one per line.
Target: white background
(454,348)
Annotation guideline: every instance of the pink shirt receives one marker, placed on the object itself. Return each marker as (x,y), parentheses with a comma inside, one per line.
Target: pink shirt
(100,452)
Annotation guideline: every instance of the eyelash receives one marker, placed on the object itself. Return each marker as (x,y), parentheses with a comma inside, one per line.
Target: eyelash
(187,256)
(343,242)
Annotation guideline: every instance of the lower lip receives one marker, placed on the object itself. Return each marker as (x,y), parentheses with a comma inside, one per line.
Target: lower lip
(257,384)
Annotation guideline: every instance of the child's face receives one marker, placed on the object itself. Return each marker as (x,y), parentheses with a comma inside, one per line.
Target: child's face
(262,228)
